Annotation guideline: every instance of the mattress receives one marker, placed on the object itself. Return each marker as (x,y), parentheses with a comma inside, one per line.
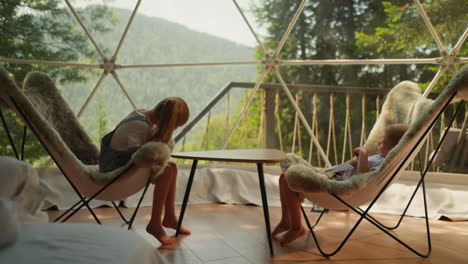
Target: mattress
(71,243)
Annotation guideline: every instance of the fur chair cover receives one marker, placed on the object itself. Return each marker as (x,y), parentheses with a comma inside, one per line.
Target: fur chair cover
(47,100)
(404,104)
(151,155)
(154,155)
(62,134)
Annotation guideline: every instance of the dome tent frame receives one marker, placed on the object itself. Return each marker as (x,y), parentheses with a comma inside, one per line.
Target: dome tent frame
(271,63)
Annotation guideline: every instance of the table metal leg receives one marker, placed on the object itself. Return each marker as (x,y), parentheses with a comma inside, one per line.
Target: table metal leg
(266,214)
(186,195)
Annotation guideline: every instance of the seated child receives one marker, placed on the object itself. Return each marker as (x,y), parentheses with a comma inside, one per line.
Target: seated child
(291,219)
(362,163)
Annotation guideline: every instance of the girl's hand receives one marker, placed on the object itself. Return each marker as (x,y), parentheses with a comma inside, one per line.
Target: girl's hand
(359,150)
(356,152)
(352,162)
(363,163)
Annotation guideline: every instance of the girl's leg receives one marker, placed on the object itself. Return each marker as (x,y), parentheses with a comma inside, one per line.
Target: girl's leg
(170,220)
(161,190)
(296,229)
(169,207)
(285,221)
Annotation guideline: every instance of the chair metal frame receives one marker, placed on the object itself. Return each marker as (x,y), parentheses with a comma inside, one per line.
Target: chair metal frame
(83,201)
(10,139)
(364,214)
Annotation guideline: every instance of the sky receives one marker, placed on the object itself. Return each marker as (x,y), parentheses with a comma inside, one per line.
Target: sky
(216,17)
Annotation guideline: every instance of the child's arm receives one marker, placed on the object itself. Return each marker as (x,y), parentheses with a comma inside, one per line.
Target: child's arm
(363,162)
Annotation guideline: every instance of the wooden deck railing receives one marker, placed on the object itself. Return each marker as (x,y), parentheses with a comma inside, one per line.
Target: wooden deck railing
(340,116)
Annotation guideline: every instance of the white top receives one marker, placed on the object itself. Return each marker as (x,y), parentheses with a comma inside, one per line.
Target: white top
(347,170)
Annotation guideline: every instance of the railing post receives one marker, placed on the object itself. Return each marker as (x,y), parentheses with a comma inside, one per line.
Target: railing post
(270,118)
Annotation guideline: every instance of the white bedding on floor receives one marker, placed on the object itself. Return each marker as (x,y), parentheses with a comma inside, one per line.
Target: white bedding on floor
(221,183)
(26,237)
(51,243)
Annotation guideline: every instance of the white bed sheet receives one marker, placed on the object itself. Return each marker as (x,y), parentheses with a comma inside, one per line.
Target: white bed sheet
(51,243)
(234,184)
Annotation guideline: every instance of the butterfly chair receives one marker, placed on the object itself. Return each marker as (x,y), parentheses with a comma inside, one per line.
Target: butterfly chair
(45,112)
(404,104)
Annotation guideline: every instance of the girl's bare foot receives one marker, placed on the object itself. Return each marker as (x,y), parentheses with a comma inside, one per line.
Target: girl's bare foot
(160,235)
(281,227)
(292,235)
(172,223)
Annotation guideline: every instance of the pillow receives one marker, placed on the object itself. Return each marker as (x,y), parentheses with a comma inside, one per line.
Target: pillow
(12,176)
(20,183)
(8,226)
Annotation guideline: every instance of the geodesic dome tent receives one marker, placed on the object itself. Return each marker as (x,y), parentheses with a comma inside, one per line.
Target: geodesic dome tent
(270,63)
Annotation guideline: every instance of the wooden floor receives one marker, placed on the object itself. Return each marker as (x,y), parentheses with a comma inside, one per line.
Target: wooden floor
(235,234)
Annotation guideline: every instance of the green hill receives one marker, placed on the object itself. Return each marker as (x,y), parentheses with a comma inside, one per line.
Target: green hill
(152,40)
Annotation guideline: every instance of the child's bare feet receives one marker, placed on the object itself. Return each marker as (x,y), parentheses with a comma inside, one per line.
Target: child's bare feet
(281,227)
(172,223)
(160,235)
(292,235)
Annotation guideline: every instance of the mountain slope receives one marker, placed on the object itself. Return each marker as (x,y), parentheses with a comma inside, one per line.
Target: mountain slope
(152,40)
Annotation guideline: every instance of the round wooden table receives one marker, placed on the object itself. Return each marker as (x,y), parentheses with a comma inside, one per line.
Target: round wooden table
(258,156)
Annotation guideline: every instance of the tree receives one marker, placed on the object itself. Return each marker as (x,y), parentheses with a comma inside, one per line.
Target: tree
(324,30)
(403,34)
(354,29)
(44,30)
(100,120)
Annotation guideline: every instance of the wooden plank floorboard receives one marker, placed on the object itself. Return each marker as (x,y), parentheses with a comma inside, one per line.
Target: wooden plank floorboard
(235,260)
(228,234)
